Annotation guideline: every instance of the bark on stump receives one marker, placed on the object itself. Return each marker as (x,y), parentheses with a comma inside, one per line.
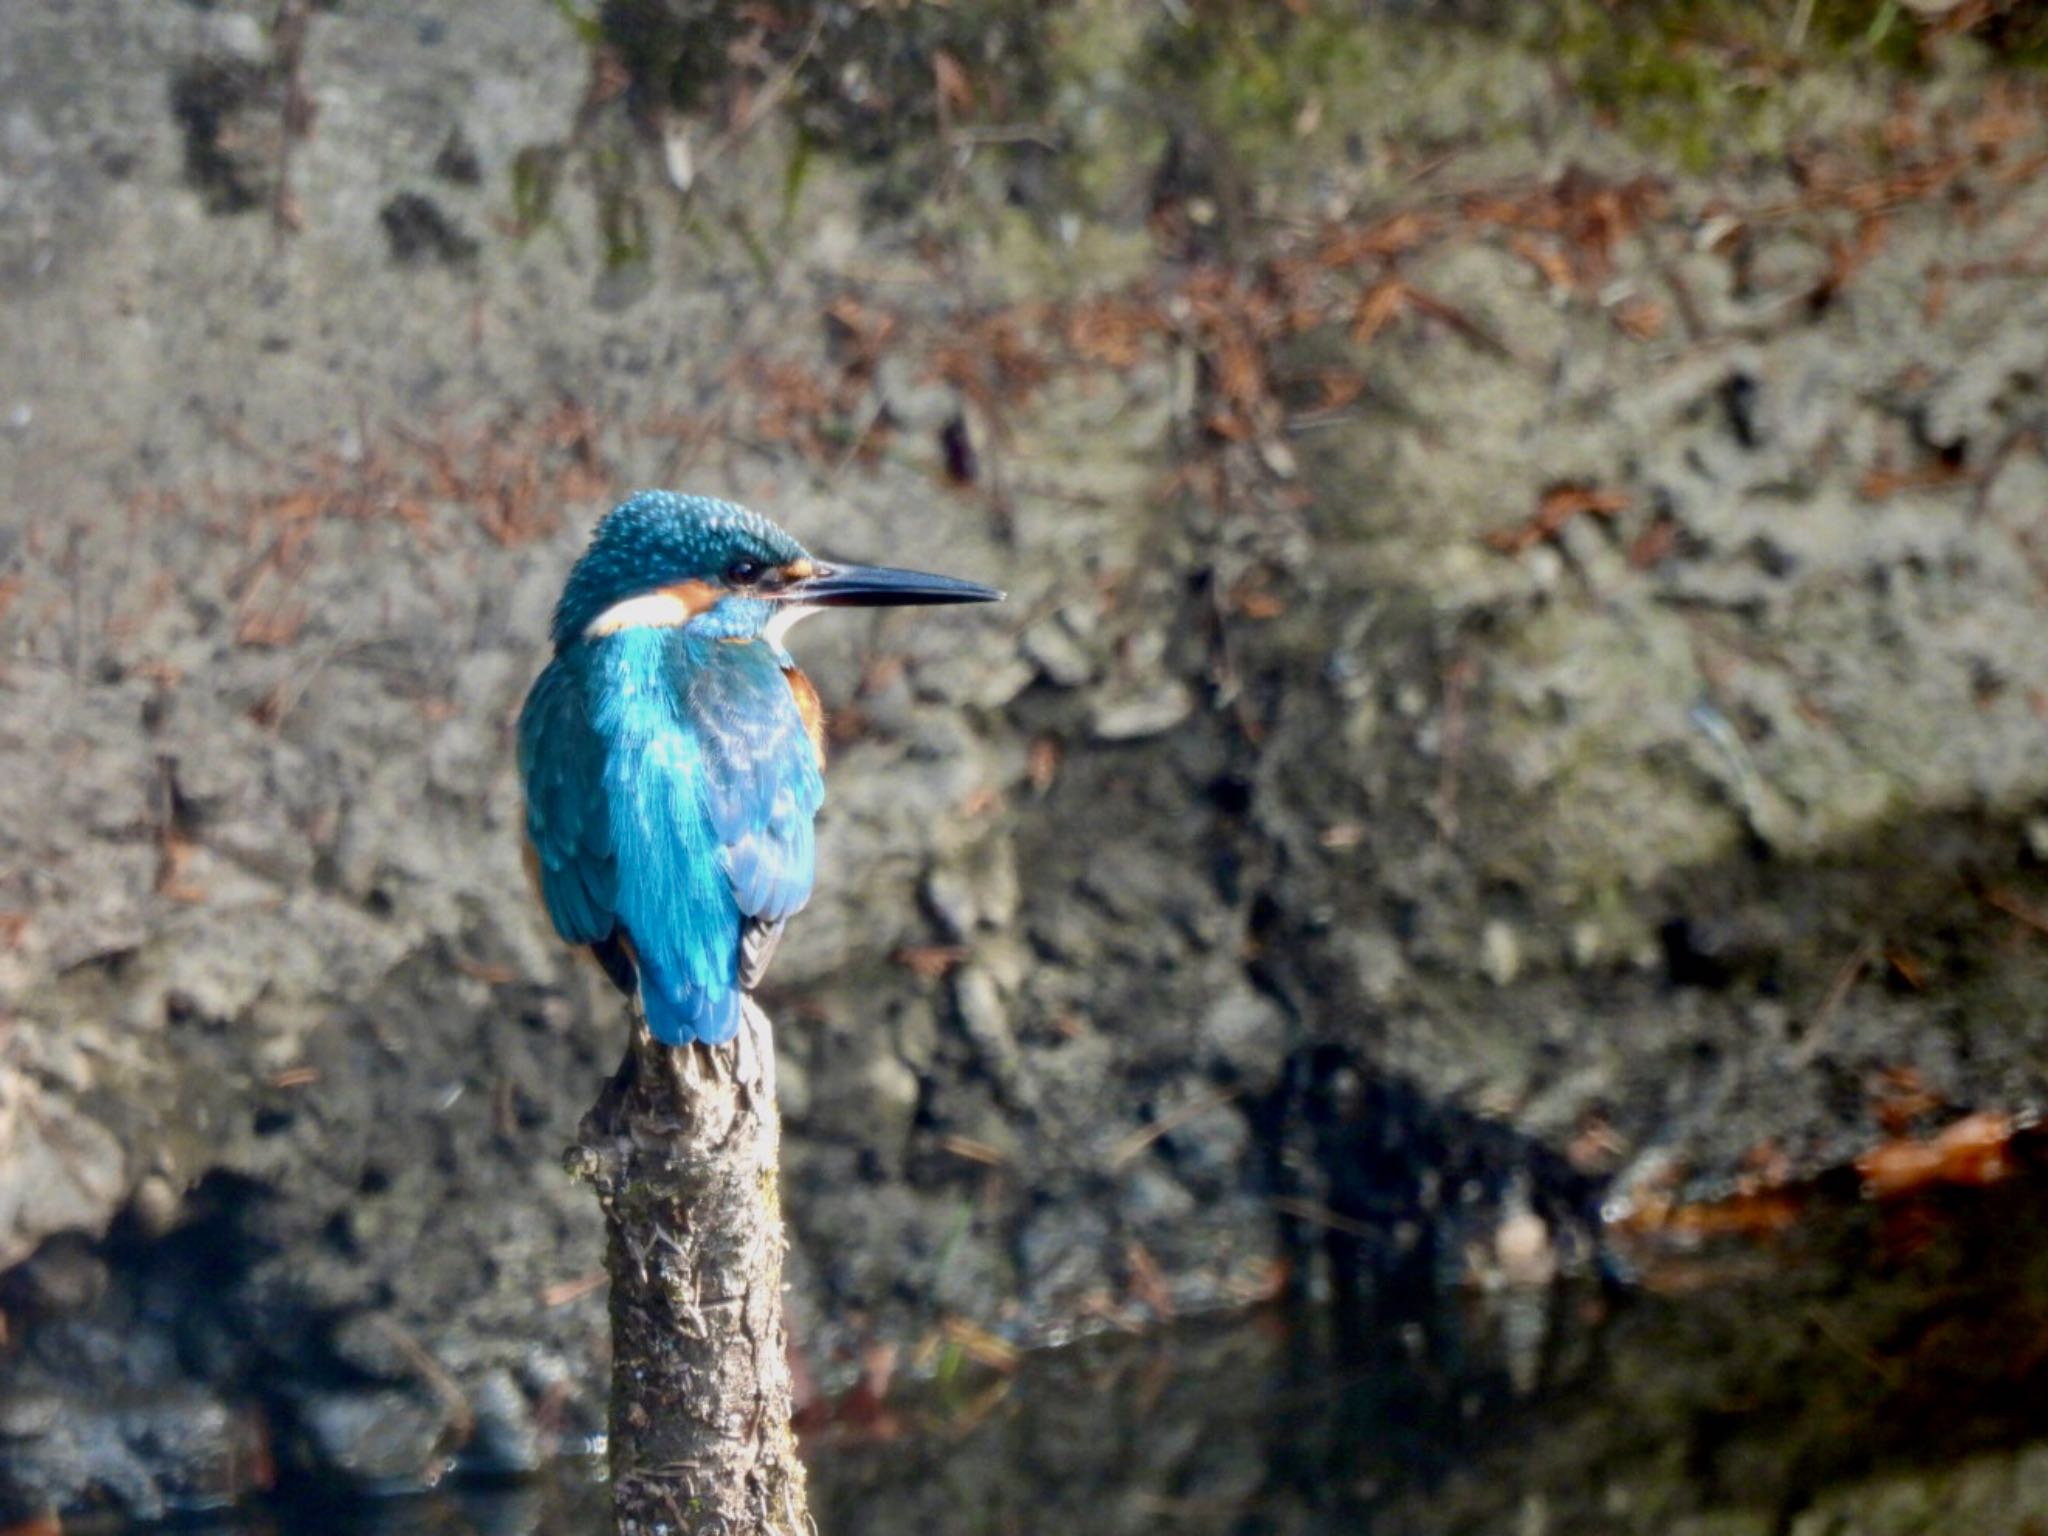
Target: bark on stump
(682,1148)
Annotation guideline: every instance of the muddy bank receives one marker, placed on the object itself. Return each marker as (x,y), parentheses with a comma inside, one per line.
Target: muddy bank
(1525,659)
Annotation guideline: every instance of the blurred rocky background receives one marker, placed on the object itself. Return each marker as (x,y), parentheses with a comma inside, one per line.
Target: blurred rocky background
(1523,706)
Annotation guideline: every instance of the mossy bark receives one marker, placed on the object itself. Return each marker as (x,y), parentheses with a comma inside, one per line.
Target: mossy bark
(682,1150)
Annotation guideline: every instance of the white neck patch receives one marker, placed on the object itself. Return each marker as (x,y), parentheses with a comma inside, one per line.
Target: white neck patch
(651,610)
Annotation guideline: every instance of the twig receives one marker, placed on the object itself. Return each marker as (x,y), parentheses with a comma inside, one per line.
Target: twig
(288,32)
(758,109)
(2017,910)
(1459,677)
(1838,992)
(1168,1123)
(461,1416)
(1321,1216)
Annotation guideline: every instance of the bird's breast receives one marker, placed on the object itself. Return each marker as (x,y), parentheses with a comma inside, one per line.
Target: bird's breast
(809,709)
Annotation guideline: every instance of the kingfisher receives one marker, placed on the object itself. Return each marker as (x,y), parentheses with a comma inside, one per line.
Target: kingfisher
(673,753)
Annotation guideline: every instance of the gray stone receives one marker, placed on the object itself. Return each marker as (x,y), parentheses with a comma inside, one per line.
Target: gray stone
(381,1440)
(29,1412)
(1135,716)
(506,1440)
(1062,1253)
(949,892)
(1500,952)
(64,1275)
(1059,657)
(374,1344)
(236,34)
(1245,1031)
(1150,1197)
(65,1170)
(985,1020)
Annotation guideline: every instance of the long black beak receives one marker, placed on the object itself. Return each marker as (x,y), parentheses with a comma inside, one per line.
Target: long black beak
(879,586)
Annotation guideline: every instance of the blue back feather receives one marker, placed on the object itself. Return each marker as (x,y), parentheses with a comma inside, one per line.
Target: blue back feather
(561,759)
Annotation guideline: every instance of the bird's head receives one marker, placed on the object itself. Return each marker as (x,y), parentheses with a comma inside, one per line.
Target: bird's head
(667,561)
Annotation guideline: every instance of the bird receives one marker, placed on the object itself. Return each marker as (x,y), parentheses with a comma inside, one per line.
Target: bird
(672,752)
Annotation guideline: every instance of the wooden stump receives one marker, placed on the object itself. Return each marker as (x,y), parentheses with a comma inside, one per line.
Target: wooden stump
(682,1148)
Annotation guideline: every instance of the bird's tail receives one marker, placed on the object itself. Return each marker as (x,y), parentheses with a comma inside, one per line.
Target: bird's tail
(679,1012)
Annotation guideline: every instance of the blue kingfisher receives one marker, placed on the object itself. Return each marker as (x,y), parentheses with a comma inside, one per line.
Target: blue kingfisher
(673,753)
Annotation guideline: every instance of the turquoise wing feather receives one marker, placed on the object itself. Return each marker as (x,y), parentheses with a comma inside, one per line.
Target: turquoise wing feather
(561,760)
(762,784)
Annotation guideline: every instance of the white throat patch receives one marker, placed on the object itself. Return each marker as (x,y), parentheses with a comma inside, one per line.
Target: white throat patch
(784,619)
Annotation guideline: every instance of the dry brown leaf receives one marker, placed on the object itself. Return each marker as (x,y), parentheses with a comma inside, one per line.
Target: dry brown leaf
(1550,263)
(970,1150)
(956,91)
(1148,1281)
(1376,308)
(562,1292)
(1642,319)
(1042,766)
(1559,505)
(979,1345)
(1973,1151)
(930,961)
(272,628)
(1653,543)
(2017,910)
(1393,236)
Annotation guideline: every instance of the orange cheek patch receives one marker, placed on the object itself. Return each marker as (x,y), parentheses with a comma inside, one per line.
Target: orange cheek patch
(694,597)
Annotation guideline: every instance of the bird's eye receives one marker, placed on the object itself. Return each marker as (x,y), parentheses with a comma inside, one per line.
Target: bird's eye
(743,573)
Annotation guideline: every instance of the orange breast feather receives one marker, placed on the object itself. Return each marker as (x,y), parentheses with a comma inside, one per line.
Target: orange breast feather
(808,709)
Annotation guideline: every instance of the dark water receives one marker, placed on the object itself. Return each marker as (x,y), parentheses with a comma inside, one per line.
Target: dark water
(1859,1368)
